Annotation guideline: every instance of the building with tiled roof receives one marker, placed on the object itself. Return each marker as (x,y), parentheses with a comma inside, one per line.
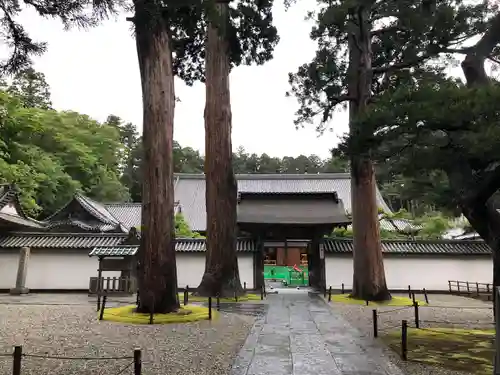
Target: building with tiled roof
(60,245)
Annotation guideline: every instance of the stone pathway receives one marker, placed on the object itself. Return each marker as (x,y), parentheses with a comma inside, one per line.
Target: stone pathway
(300,335)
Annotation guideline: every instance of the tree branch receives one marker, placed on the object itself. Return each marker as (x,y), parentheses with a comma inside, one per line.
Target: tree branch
(473,64)
(487,183)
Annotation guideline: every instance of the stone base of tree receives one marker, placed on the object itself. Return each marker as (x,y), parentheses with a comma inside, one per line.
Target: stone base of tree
(211,286)
(19,291)
(375,297)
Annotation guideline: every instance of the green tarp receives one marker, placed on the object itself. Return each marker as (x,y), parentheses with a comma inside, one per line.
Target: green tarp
(287,274)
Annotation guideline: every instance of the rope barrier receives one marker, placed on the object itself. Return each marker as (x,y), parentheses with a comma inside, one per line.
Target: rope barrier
(487,335)
(448,322)
(394,310)
(46,356)
(458,307)
(391,327)
(124,368)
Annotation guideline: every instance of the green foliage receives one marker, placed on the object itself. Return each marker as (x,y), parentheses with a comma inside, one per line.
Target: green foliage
(31,88)
(430,129)
(434,226)
(182,229)
(251,36)
(50,155)
(404,42)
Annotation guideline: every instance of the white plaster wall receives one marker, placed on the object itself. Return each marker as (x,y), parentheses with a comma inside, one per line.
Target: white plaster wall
(8,268)
(51,269)
(191,266)
(420,272)
(68,269)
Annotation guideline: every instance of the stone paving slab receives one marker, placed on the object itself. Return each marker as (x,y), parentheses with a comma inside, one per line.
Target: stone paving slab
(300,335)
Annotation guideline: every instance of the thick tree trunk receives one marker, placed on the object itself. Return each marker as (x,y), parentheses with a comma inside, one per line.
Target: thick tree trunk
(221,275)
(157,274)
(369,275)
(486,221)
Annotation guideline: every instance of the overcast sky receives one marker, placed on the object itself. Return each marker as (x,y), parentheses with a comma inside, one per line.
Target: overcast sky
(96,72)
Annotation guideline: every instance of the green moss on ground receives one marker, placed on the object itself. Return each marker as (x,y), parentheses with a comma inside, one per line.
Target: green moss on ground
(244,298)
(186,314)
(395,301)
(465,350)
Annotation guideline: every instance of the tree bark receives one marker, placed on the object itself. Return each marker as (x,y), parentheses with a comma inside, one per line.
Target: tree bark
(481,211)
(221,275)
(369,275)
(157,273)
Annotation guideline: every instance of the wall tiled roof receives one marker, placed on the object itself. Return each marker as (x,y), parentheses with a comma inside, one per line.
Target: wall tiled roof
(190,190)
(183,245)
(198,245)
(438,247)
(60,240)
(114,251)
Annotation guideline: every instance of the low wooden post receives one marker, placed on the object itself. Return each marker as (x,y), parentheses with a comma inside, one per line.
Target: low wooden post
(137,300)
(261,293)
(477,289)
(375,323)
(458,287)
(449,285)
(409,291)
(218,302)
(209,308)
(137,362)
(343,289)
(367,302)
(186,298)
(151,317)
(496,363)
(330,294)
(468,288)
(417,319)
(16,363)
(425,295)
(244,286)
(103,306)
(235,296)
(404,340)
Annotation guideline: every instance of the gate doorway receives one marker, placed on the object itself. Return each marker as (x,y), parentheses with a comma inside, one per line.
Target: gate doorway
(287,263)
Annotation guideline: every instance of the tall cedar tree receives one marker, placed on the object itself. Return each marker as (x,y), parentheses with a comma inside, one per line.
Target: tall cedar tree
(444,125)
(157,271)
(221,275)
(218,37)
(369,276)
(364,49)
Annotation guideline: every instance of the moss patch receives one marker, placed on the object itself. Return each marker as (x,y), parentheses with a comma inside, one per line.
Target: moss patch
(244,298)
(470,351)
(186,314)
(395,301)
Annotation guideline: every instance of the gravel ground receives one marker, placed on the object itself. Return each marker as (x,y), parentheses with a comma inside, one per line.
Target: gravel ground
(201,348)
(460,312)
